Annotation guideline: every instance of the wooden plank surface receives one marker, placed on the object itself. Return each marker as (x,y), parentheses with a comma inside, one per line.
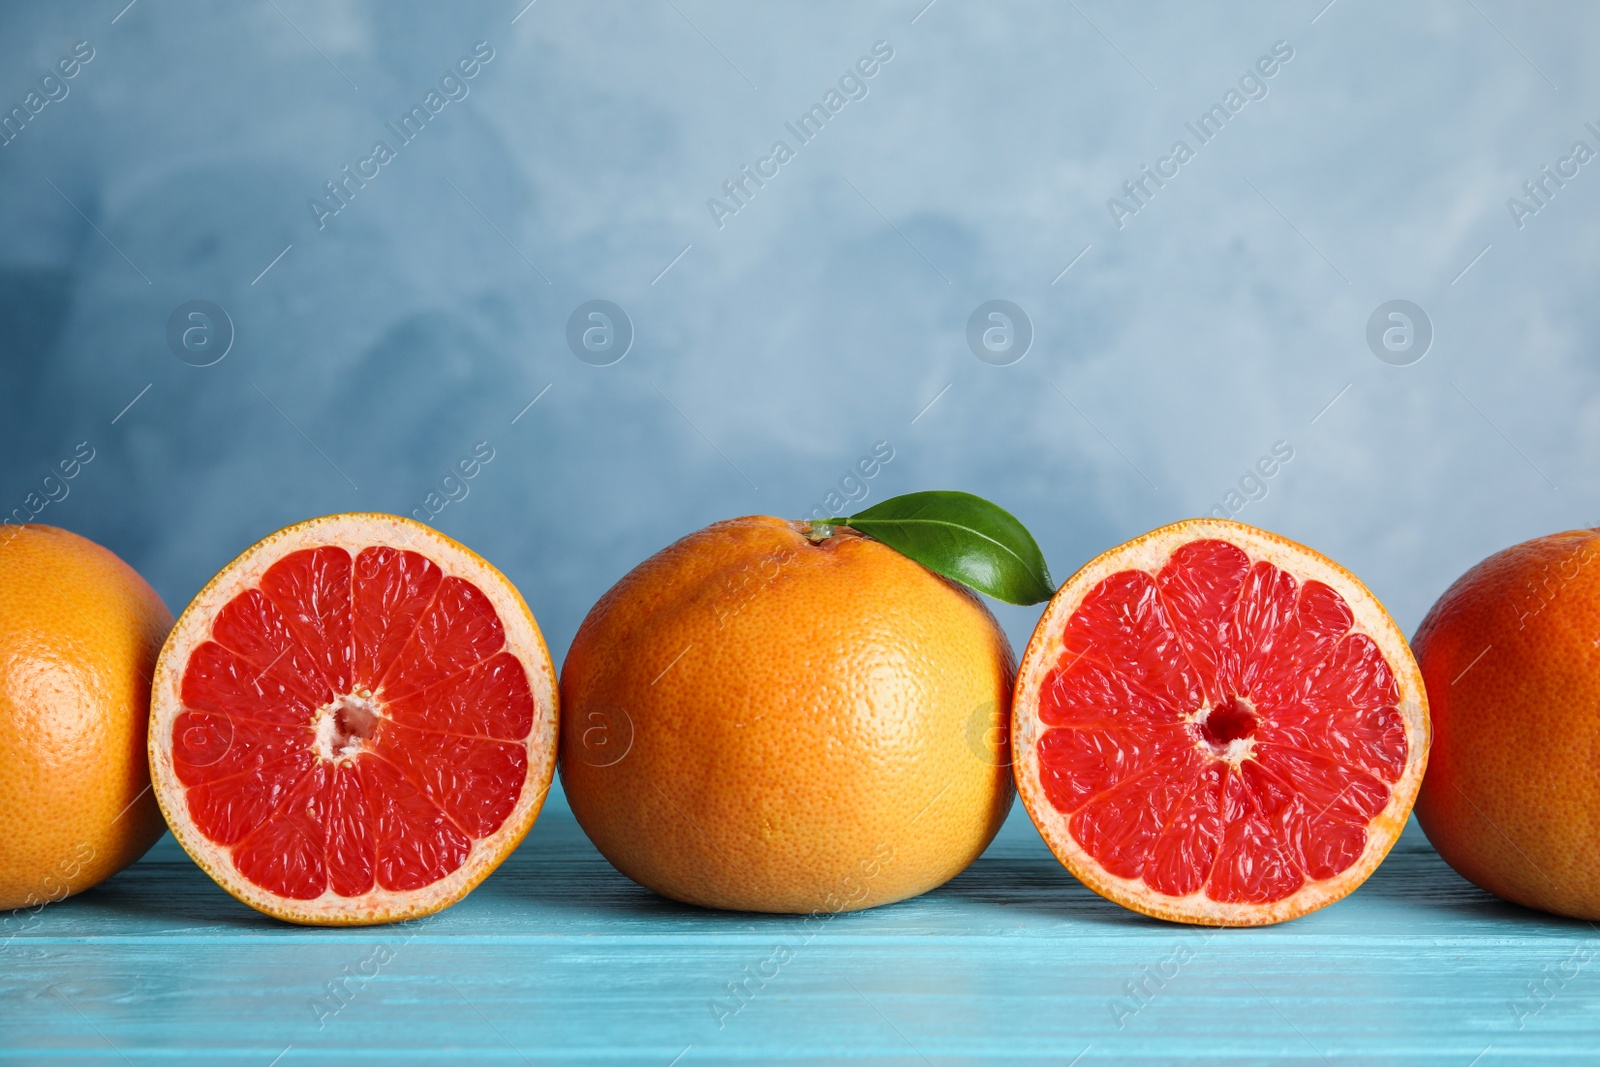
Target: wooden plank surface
(559,959)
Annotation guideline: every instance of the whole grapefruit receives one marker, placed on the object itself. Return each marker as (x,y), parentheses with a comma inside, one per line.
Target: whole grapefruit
(79,635)
(758,721)
(1512,665)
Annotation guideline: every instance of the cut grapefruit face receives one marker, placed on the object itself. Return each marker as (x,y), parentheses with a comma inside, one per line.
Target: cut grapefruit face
(1216,725)
(354,722)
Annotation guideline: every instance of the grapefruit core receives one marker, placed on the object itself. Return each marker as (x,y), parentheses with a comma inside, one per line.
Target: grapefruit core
(1216,725)
(354,722)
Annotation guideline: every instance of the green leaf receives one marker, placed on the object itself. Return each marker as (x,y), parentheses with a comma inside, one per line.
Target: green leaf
(962,537)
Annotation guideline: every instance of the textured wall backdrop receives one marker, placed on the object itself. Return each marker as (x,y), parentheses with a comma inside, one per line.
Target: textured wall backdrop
(1181,329)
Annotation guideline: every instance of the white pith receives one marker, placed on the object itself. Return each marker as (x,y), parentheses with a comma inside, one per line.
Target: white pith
(354,532)
(327,741)
(1233,753)
(1150,553)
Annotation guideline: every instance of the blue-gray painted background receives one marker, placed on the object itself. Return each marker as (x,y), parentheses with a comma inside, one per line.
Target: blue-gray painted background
(1180,332)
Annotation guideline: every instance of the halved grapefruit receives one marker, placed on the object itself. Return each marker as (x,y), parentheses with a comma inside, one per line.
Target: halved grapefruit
(354,722)
(1216,725)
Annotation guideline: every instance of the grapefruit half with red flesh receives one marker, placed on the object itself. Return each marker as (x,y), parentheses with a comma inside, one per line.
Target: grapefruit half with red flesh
(354,722)
(1216,725)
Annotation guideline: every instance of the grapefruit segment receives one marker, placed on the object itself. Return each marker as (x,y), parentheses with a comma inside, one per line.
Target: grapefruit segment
(417,842)
(1198,588)
(285,852)
(232,687)
(1123,623)
(351,845)
(455,633)
(474,780)
(392,589)
(489,699)
(311,590)
(1182,856)
(1121,825)
(354,722)
(1214,724)
(254,631)
(230,809)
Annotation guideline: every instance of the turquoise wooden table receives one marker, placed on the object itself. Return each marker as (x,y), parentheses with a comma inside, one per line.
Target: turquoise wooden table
(559,959)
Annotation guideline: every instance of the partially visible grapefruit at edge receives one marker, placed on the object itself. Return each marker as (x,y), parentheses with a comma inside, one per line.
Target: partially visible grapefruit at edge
(1511,656)
(79,634)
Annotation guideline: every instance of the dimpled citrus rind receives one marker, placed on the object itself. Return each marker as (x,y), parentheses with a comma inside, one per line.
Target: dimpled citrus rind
(757,722)
(79,635)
